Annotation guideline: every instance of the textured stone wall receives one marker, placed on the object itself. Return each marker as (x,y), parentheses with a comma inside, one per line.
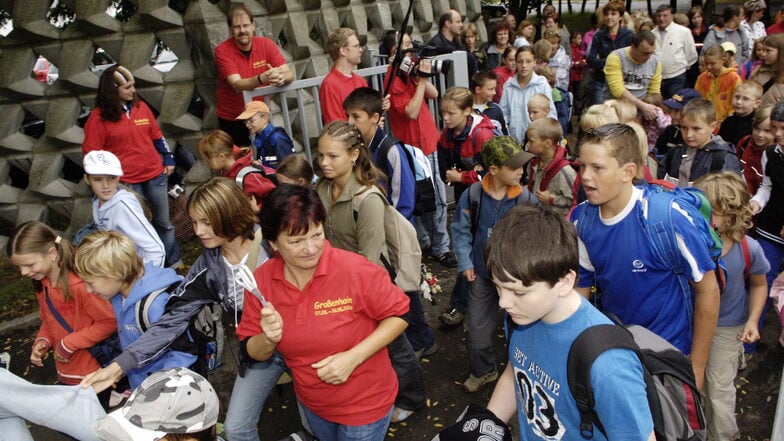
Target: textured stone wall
(40,177)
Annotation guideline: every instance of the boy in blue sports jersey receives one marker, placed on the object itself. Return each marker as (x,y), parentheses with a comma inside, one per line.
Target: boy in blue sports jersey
(532,257)
(619,257)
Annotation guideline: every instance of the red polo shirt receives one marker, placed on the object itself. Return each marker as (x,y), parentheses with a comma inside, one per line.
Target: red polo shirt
(340,306)
(229,60)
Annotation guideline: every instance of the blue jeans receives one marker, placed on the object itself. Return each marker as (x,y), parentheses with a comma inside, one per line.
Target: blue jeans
(431,228)
(156,192)
(329,431)
(418,331)
(248,397)
(671,86)
(481,320)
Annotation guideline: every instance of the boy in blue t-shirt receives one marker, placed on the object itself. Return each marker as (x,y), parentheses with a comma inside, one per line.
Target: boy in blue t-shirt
(533,260)
(107,262)
(478,210)
(619,257)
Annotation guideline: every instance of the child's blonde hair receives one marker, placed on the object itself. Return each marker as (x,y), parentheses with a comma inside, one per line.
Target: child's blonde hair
(545,71)
(752,88)
(538,101)
(729,196)
(542,50)
(717,51)
(642,143)
(625,109)
(547,128)
(109,254)
(35,237)
(655,98)
(598,115)
(460,96)
(761,115)
(552,34)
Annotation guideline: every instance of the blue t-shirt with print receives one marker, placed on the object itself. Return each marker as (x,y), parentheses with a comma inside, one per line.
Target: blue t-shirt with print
(734,306)
(546,409)
(635,285)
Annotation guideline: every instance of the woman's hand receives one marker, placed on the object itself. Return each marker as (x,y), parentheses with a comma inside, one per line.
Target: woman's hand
(39,351)
(271,324)
(336,368)
(104,378)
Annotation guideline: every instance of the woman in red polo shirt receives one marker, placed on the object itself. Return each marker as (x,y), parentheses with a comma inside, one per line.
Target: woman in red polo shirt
(330,313)
(125,126)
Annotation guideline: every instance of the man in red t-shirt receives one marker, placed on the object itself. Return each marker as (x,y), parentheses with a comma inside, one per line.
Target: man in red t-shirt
(244,62)
(346,52)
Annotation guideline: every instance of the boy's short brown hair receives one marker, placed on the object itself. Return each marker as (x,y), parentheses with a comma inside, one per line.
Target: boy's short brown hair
(699,108)
(547,128)
(752,87)
(621,142)
(532,244)
(109,254)
(614,5)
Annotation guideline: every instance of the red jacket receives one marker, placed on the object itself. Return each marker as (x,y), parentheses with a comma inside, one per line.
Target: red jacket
(751,161)
(503,74)
(254,184)
(91,318)
(478,130)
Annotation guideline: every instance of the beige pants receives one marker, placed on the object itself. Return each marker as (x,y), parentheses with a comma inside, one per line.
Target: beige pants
(719,388)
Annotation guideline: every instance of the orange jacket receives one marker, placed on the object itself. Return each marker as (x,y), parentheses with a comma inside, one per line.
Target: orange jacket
(719,90)
(91,318)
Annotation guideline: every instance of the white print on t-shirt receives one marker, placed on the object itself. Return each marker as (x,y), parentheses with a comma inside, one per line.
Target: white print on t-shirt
(537,392)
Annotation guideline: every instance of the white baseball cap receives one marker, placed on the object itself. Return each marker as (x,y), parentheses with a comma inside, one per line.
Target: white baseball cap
(101,162)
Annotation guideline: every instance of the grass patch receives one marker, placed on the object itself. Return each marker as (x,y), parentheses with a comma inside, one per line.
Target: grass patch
(17,298)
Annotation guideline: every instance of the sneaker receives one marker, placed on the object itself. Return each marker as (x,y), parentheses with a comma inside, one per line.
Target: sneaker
(399,415)
(473,383)
(426,352)
(451,317)
(447,259)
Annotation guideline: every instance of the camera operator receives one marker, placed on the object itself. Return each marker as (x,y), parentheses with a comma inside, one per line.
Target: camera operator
(450,26)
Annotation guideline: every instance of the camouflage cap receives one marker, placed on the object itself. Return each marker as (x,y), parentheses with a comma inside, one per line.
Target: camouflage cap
(173,401)
(504,150)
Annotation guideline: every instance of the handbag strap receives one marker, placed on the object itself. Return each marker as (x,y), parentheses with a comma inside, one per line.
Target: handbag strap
(55,313)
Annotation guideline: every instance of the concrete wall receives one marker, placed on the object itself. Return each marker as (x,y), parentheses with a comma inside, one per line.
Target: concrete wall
(40,178)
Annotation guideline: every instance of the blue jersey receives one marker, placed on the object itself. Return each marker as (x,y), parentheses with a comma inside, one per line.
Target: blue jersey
(634,284)
(734,306)
(545,406)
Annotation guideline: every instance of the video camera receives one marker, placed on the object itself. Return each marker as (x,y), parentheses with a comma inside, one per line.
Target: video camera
(412,58)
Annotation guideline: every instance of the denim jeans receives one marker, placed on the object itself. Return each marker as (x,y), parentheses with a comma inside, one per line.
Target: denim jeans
(156,192)
(459,298)
(418,331)
(329,431)
(431,228)
(67,409)
(411,388)
(671,86)
(248,397)
(482,318)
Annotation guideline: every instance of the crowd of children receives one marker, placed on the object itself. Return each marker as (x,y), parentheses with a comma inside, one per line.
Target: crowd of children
(534,219)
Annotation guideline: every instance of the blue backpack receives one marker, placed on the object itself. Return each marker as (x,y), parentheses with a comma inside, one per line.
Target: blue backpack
(660,196)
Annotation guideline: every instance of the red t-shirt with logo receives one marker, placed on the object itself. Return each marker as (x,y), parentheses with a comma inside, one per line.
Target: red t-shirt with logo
(340,306)
(130,139)
(229,60)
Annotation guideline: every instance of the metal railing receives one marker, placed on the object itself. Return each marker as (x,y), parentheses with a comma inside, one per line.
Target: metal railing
(300,108)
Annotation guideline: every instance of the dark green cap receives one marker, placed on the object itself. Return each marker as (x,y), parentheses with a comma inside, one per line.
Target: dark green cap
(504,150)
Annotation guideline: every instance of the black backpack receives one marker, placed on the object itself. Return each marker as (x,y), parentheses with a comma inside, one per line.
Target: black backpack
(673,396)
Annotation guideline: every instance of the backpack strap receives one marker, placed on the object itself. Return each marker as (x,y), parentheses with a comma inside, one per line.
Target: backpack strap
(662,233)
(585,349)
(475,205)
(244,171)
(253,252)
(55,312)
(142,307)
(744,247)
